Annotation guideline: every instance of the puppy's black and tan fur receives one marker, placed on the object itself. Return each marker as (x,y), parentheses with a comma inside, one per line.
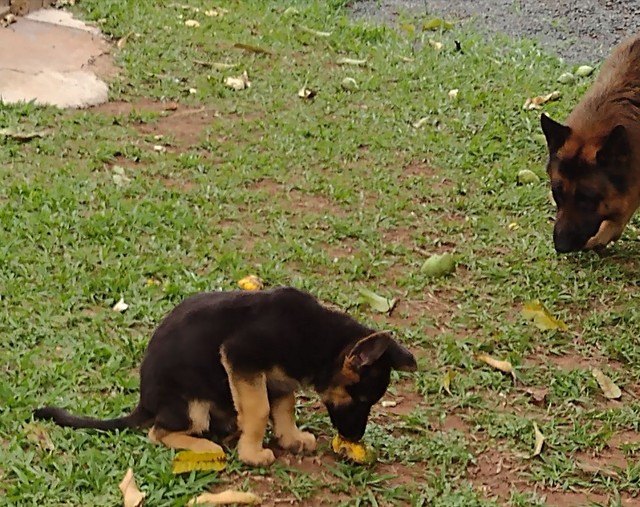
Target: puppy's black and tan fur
(223,359)
(594,160)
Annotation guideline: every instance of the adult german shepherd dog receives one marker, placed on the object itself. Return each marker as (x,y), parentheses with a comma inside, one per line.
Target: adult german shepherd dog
(594,158)
(222,362)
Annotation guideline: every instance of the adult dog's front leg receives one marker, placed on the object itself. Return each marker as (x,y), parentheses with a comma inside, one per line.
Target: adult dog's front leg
(284,426)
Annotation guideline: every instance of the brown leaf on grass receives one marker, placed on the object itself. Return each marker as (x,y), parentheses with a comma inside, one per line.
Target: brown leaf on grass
(131,495)
(537,102)
(23,136)
(539,442)
(37,434)
(610,390)
(590,469)
(252,49)
(188,461)
(226,498)
(503,366)
(538,395)
(541,317)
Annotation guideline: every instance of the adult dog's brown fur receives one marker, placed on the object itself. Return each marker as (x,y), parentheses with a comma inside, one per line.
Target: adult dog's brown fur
(594,160)
(226,360)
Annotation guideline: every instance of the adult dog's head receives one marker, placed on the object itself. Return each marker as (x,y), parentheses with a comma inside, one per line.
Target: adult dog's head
(592,185)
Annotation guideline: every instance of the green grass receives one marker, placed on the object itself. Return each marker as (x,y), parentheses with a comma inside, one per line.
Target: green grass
(330,195)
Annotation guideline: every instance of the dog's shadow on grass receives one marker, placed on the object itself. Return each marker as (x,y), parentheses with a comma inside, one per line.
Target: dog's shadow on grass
(625,256)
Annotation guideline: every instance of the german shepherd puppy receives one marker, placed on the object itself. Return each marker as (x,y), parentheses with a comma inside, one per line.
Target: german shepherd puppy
(222,361)
(594,159)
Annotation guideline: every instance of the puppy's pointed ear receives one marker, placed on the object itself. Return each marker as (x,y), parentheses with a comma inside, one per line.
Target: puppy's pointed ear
(401,357)
(615,148)
(367,351)
(555,133)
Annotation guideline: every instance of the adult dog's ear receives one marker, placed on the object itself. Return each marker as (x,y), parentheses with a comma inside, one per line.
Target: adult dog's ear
(555,133)
(615,148)
(401,357)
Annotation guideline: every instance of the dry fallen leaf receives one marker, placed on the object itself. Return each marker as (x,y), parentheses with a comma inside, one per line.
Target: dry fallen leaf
(252,49)
(238,83)
(188,461)
(503,366)
(215,13)
(192,23)
(420,122)
(588,468)
(447,378)
(609,389)
(23,136)
(132,497)
(435,44)
(122,42)
(538,395)
(537,102)
(311,31)
(541,317)
(537,449)
(306,93)
(38,435)
(225,498)
(350,61)
(251,283)
(119,177)
(120,306)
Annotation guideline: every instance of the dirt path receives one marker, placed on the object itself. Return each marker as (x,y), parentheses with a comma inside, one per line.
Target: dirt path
(580,32)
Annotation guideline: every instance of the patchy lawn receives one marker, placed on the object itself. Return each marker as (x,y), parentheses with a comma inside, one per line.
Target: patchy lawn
(328,194)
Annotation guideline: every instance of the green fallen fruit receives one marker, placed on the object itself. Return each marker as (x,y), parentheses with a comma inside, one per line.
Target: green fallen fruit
(349,84)
(439,265)
(566,78)
(584,70)
(525,177)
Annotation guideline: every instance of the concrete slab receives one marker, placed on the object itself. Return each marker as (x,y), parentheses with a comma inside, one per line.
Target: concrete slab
(50,59)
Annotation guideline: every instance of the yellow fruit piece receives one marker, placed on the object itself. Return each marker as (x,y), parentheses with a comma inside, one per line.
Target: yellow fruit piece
(187,461)
(353,451)
(251,282)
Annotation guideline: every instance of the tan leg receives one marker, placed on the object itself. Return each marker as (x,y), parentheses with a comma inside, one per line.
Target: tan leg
(179,440)
(252,405)
(609,231)
(284,426)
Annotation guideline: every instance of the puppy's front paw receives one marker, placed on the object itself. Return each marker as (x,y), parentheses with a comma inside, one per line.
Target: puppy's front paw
(298,442)
(256,457)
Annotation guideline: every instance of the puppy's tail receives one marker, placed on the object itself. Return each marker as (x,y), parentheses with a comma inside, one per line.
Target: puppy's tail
(138,418)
